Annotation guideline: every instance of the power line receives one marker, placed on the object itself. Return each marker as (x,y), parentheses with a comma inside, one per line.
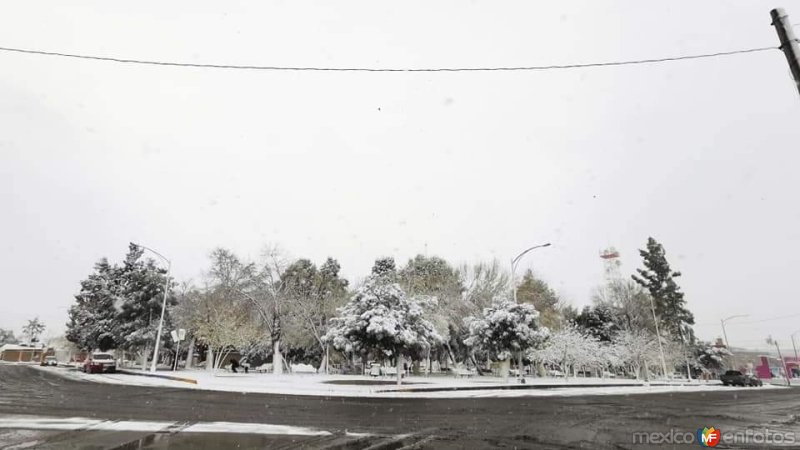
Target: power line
(377,69)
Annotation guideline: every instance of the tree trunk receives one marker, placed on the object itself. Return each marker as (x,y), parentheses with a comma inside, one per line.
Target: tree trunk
(209,358)
(323,367)
(399,369)
(277,359)
(505,368)
(144,358)
(190,354)
(520,370)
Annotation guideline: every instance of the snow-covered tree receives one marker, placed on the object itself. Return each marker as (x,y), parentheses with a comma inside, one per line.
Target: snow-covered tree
(223,323)
(570,349)
(33,329)
(506,329)
(599,321)
(380,318)
(314,294)
(141,285)
(434,277)
(712,357)
(7,337)
(636,350)
(92,319)
(261,286)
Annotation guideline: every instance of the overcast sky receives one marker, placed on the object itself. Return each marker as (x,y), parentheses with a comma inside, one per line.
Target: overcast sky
(700,154)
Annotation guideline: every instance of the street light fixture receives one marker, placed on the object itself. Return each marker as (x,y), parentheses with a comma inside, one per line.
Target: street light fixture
(724,334)
(163,304)
(514,266)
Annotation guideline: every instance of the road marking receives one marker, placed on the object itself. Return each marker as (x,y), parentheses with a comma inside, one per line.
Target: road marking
(252,428)
(82,423)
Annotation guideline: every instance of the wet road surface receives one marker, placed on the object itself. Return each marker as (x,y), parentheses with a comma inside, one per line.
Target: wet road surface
(532,422)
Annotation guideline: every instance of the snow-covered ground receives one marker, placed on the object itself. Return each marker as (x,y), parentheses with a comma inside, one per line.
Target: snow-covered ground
(318,385)
(89,424)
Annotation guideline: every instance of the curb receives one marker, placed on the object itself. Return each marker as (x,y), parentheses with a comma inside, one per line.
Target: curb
(152,375)
(524,386)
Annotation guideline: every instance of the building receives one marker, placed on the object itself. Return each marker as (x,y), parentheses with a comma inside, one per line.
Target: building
(22,353)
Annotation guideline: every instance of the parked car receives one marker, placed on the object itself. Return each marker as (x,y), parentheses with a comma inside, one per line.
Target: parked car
(49,361)
(737,378)
(100,363)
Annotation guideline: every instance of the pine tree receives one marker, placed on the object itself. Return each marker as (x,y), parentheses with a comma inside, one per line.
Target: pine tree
(536,292)
(659,279)
(92,319)
(598,321)
(141,297)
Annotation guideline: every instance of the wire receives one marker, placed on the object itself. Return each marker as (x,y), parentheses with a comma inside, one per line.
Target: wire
(375,69)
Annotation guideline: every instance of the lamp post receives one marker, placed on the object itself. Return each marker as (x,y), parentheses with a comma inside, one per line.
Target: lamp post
(724,334)
(514,266)
(780,357)
(658,338)
(794,346)
(514,293)
(163,304)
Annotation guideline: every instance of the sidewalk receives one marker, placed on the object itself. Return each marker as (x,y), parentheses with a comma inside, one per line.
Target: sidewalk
(412,387)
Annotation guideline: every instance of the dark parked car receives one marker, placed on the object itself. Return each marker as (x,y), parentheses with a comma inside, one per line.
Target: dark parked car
(736,378)
(99,363)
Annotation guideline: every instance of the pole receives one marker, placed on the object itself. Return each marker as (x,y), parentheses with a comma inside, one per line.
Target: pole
(513,284)
(727,345)
(514,262)
(789,43)
(658,338)
(783,363)
(686,355)
(794,346)
(161,321)
(177,354)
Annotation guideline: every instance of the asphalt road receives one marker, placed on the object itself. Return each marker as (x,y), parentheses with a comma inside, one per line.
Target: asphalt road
(533,422)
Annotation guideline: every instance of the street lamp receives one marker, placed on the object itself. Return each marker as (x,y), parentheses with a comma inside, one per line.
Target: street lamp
(658,339)
(724,334)
(794,346)
(163,304)
(514,293)
(514,266)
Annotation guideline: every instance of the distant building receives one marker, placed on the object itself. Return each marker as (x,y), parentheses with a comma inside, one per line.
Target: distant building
(769,368)
(22,353)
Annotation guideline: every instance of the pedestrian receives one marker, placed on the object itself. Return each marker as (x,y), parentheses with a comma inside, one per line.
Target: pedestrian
(234,365)
(246,366)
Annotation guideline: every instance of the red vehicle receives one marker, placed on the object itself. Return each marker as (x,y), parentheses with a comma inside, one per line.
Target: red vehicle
(100,363)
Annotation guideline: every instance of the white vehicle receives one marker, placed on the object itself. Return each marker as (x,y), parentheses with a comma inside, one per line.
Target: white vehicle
(49,361)
(99,362)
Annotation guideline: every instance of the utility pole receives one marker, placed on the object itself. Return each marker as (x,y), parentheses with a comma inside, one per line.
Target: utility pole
(658,337)
(783,362)
(789,43)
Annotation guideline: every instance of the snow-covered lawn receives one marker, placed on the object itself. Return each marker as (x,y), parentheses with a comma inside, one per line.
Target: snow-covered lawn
(319,385)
